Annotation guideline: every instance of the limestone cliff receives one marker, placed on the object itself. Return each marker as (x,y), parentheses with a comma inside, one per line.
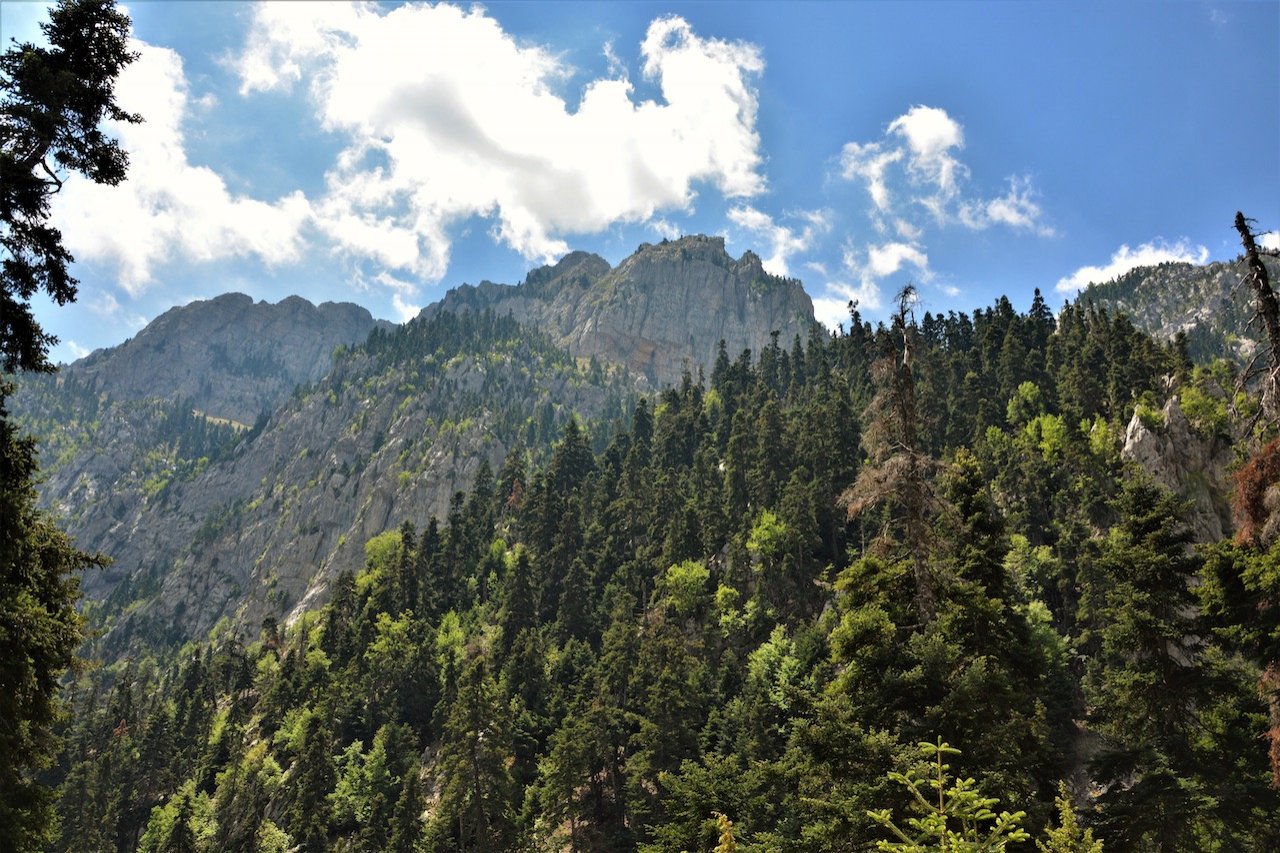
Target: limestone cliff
(1187,462)
(391,433)
(229,356)
(660,312)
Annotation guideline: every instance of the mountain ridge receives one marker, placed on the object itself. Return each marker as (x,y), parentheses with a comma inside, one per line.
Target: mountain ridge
(661,311)
(232,357)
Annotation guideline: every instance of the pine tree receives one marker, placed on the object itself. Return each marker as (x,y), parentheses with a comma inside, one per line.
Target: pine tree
(54,99)
(1152,681)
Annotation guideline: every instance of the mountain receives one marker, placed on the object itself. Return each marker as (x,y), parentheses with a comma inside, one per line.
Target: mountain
(230,357)
(660,312)
(673,634)
(246,525)
(1209,303)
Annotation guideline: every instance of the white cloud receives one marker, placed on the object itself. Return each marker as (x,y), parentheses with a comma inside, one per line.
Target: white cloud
(77,351)
(1017,209)
(831,311)
(168,206)
(832,308)
(931,135)
(1125,259)
(782,241)
(889,258)
(1270,240)
(449,117)
(871,162)
(665,229)
(104,304)
(406,310)
(861,276)
(915,169)
(402,292)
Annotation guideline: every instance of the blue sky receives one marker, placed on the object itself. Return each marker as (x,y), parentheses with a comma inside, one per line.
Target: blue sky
(381,154)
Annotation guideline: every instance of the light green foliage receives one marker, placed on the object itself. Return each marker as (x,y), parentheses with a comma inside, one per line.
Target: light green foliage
(183,825)
(1151,417)
(1068,836)
(1049,434)
(1026,403)
(1104,439)
(272,839)
(685,585)
(954,816)
(767,537)
(1206,413)
(288,737)
(729,617)
(774,670)
(450,642)
(381,551)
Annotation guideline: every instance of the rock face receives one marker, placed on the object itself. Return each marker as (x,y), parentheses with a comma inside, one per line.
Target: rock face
(251,524)
(262,529)
(660,312)
(1185,462)
(231,357)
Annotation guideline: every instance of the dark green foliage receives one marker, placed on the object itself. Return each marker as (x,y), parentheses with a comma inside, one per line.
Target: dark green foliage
(54,99)
(638,628)
(1165,700)
(39,633)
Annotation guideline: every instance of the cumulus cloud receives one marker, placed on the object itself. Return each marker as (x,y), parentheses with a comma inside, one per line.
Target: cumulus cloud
(447,116)
(1270,240)
(915,169)
(931,135)
(169,207)
(1125,259)
(781,240)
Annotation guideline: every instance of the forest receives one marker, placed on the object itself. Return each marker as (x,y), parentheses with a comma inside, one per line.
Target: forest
(748,621)
(901,586)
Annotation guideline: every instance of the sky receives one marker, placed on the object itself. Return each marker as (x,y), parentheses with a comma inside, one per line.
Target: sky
(383,153)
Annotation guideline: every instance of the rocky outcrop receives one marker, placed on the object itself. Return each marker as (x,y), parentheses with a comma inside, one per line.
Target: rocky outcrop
(1185,462)
(231,357)
(660,312)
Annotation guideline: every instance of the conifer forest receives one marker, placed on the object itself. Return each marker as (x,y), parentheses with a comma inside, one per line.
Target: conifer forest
(921,580)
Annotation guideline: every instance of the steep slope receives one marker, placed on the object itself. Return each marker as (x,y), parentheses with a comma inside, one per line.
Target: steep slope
(399,426)
(229,356)
(1208,303)
(659,312)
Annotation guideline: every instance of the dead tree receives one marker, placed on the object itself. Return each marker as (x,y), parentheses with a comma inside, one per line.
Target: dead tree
(897,469)
(1266,311)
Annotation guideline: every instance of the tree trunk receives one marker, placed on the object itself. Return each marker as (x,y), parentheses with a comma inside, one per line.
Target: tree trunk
(1266,309)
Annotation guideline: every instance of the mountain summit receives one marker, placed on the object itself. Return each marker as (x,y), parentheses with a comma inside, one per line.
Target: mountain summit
(661,311)
(231,357)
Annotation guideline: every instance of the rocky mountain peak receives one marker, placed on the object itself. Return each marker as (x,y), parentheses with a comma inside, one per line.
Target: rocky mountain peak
(230,356)
(661,311)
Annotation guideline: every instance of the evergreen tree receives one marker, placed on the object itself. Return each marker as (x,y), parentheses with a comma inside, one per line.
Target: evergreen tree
(1153,684)
(54,100)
